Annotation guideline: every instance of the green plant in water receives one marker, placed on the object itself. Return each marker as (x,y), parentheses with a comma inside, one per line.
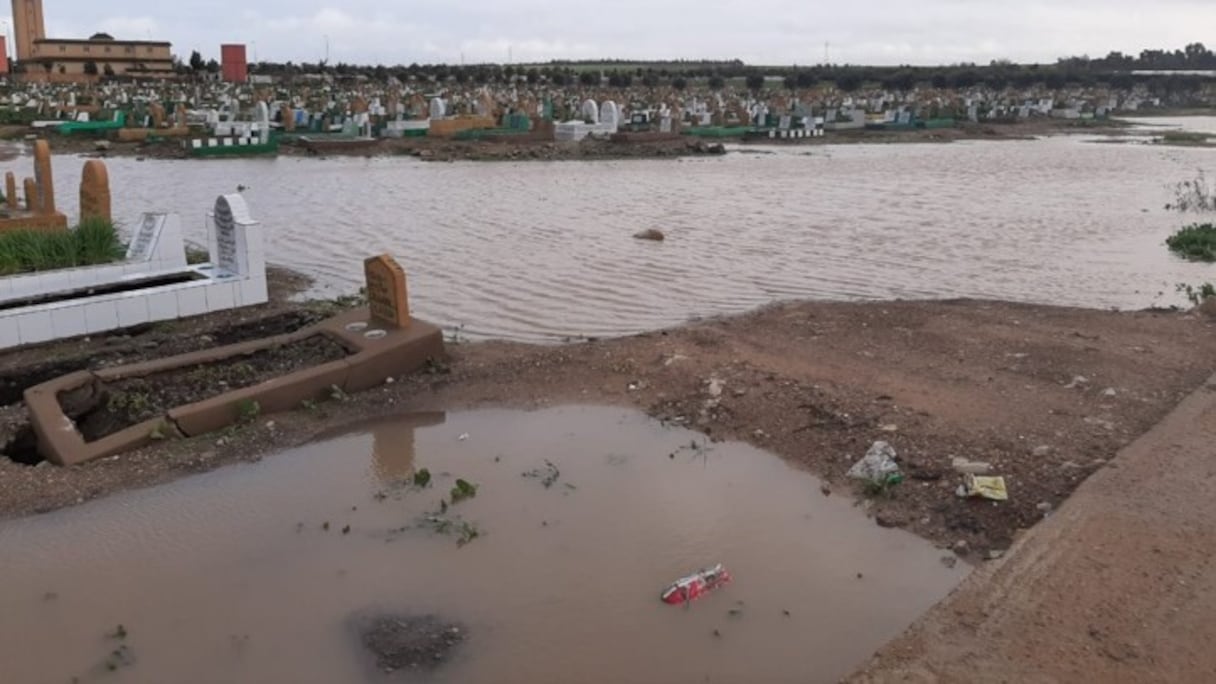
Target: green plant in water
(1196,242)
(1196,295)
(463,490)
(422,478)
(882,488)
(1195,195)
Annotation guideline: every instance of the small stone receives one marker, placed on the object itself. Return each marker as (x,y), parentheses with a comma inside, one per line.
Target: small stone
(961,547)
(825,489)
(1041,451)
(890,427)
(889,520)
(1045,507)
(1109,392)
(390,380)
(1077,381)
(650,234)
(995,554)
(949,561)
(270,425)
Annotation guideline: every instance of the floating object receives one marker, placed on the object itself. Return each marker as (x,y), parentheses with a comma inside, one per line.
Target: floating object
(696,585)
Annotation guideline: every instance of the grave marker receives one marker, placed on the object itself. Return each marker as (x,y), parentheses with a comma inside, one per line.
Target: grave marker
(10,190)
(94,191)
(387,299)
(31,196)
(144,239)
(44,196)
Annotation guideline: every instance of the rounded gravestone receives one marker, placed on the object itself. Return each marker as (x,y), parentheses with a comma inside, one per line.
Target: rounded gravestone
(438,108)
(591,111)
(610,115)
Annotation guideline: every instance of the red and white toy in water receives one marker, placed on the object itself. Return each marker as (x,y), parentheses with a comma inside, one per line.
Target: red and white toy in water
(696,585)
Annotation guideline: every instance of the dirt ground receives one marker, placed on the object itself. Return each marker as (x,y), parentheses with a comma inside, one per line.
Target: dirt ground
(1046,395)
(1116,587)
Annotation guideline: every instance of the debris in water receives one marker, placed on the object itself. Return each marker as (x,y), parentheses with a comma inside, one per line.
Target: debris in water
(548,475)
(717,633)
(409,642)
(120,632)
(346,530)
(696,585)
(325,525)
(463,437)
(785,613)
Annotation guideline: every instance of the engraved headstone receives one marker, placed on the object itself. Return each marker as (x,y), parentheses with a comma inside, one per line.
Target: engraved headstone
(143,242)
(387,297)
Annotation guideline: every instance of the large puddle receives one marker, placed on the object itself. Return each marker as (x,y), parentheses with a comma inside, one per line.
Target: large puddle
(231,577)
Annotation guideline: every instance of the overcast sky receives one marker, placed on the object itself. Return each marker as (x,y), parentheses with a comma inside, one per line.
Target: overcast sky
(771,32)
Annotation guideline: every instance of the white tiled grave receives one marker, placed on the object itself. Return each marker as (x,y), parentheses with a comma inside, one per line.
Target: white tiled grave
(234,277)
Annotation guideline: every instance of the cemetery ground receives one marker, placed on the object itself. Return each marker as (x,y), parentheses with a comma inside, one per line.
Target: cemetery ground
(524,148)
(1045,395)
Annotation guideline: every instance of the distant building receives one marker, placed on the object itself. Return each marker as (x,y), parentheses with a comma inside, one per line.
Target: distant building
(70,60)
(232,63)
(3,56)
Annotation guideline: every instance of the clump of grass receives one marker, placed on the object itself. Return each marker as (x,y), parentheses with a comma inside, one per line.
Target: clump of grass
(1184,138)
(94,241)
(1196,242)
(463,490)
(1197,294)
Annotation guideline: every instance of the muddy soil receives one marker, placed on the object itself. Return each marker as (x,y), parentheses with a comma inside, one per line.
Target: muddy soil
(112,406)
(1046,395)
(24,368)
(410,642)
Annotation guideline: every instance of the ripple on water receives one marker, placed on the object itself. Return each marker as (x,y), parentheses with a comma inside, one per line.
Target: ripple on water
(540,251)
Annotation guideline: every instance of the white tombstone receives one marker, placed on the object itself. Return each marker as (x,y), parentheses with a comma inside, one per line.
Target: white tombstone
(236,240)
(263,122)
(158,240)
(438,108)
(610,116)
(590,111)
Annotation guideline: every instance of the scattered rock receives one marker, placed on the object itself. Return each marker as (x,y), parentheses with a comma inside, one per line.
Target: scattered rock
(995,554)
(1077,381)
(825,488)
(1041,451)
(961,547)
(1110,392)
(949,561)
(889,520)
(651,234)
(1045,507)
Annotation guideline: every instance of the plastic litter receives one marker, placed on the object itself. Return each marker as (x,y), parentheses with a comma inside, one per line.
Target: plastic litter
(878,465)
(696,585)
(965,467)
(991,488)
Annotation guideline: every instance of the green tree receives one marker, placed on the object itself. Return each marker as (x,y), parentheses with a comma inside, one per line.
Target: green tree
(196,61)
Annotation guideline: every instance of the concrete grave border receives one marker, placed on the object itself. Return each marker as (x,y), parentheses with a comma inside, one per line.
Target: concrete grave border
(376,353)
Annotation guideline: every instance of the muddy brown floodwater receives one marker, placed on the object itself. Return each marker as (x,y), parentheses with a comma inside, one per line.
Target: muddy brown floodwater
(253,573)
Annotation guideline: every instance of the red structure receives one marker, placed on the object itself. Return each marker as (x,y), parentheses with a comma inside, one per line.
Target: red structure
(232,63)
(3,55)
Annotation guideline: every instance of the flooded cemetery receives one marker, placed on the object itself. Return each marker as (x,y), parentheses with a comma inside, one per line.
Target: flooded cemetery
(728,380)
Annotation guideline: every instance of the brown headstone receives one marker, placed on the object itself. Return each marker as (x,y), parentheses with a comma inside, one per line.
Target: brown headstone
(387,298)
(31,196)
(158,116)
(94,191)
(44,183)
(182,119)
(289,118)
(10,190)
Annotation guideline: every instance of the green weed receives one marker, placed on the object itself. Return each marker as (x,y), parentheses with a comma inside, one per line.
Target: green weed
(94,241)
(1196,242)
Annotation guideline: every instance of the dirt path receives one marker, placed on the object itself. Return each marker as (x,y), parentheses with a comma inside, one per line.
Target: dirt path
(1118,586)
